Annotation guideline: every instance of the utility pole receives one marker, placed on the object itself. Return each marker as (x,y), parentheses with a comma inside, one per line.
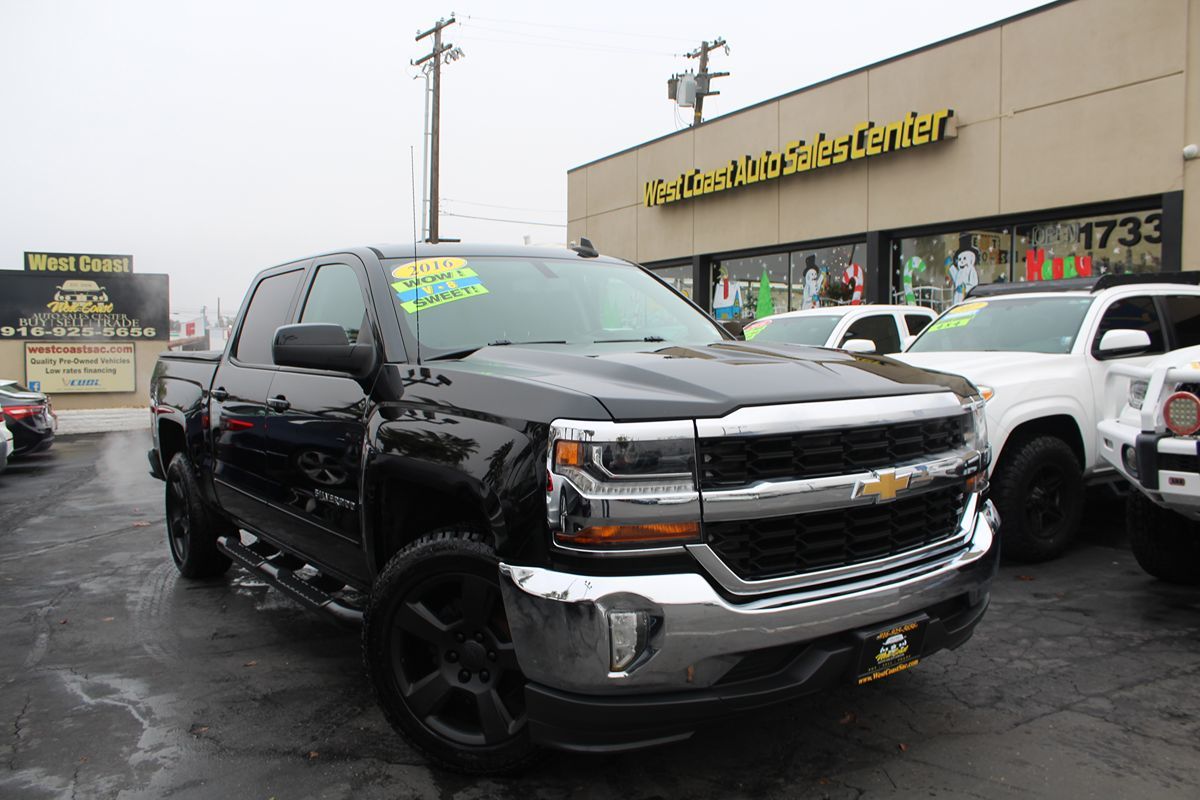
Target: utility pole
(703,76)
(435,56)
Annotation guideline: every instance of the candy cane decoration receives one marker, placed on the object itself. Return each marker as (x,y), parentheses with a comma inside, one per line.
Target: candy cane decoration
(911,267)
(855,272)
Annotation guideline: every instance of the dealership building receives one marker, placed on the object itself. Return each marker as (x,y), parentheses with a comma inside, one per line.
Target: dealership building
(1058,143)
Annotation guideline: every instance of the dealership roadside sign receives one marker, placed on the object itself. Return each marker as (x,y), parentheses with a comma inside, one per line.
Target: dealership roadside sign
(57,367)
(87,307)
(83,263)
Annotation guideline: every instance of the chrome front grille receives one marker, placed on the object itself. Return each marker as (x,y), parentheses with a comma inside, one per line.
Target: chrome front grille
(810,493)
(741,460)
(757,549)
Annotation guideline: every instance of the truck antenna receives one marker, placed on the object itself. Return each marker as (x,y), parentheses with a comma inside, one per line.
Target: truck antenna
(412,171)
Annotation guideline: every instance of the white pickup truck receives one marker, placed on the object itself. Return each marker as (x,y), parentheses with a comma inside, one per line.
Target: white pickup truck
(1153,444)
(1042,353)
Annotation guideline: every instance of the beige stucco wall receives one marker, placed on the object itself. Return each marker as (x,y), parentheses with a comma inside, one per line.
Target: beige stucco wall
(1191,169)
(12,366)
(1084,102)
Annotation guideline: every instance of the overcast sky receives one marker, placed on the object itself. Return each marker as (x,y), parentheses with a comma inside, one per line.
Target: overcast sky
(212,138)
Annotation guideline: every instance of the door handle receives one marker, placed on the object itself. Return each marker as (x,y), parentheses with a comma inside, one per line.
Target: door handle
(219,394)
(279,403)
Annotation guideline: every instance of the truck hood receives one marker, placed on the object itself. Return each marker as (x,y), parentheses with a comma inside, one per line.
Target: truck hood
(988,368)
(672,382)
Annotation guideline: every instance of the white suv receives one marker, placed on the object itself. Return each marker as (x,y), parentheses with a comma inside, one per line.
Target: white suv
(865,328)
(1042,353)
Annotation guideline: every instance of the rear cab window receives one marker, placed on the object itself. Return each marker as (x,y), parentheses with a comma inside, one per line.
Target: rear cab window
(269,308)
(916,322)
(1184,313)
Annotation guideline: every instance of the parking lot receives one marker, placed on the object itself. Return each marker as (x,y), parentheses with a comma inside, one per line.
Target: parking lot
(120,680)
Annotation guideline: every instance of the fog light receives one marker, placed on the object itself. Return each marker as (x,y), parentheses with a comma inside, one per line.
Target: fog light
(1129,459)
(1181,412)
(627,637)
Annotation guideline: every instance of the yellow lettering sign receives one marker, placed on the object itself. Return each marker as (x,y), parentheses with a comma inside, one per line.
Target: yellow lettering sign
(867,140)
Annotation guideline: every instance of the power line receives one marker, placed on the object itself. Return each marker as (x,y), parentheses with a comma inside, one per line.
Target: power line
(582,42)
(498,219)
(577,28)
(569,45)
(510,208)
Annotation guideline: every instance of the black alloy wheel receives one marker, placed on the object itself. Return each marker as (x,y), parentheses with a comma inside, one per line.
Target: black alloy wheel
(454,660)
(1044,508)
(179,523)
(192,531)
(441,658)
(1038,489)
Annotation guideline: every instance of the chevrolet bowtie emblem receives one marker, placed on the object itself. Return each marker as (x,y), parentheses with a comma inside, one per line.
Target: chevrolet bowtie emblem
(886,487)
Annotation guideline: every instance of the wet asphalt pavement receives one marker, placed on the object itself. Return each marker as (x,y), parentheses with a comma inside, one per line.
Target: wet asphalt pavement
(118,679)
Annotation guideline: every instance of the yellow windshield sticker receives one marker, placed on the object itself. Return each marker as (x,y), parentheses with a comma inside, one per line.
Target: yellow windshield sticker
(427,266)
(434,282)
(958,317)
(755,328)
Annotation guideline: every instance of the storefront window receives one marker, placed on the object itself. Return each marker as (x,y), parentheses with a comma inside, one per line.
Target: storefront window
(829,276)
(750,288)
(939,270)
(680,278)
(1078,248)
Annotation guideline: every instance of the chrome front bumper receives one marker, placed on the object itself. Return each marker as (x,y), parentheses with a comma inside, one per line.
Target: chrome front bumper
(560,626)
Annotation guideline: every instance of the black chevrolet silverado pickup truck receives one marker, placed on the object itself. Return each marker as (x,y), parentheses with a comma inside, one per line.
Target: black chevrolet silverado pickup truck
(567,508)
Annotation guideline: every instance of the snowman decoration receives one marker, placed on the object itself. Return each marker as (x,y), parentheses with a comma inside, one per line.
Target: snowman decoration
(727,298)
(812,284)
(964,273)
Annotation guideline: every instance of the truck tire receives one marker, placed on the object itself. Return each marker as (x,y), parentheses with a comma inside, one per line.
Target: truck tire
(192,530)
(437,648)
(1165,544)
(1038,489)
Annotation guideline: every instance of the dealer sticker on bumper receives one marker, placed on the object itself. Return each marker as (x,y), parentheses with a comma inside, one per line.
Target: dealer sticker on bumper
(890,650)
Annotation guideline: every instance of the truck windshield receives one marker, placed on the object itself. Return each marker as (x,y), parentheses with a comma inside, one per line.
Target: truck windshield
(803,329)
(1020,324)
(465,303)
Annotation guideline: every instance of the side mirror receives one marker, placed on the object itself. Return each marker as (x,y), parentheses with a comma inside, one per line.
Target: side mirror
(859,345)
(321,345)
(735,327)
(1122,342)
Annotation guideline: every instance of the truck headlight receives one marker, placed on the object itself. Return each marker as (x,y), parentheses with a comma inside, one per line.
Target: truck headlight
(624,466)
(614,485)
(1137,393)
(975,434)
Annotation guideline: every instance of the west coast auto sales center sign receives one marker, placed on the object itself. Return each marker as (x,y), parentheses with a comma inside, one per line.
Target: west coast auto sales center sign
(80,328)
(63,307)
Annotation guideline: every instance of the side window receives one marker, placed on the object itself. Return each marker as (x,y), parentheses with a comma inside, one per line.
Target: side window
(335,297)
(1134,313)
(1184,311)
(267,311)
(916,323)
(880,328)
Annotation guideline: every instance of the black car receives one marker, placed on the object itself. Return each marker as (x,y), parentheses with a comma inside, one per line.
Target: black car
(29,417)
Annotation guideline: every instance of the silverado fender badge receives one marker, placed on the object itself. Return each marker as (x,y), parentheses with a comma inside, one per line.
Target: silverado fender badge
(340,502)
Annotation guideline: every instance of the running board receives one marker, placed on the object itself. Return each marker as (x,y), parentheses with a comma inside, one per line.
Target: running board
(285,579)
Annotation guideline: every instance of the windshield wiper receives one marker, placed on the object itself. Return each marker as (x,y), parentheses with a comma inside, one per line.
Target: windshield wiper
(466,351)
(643,339)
